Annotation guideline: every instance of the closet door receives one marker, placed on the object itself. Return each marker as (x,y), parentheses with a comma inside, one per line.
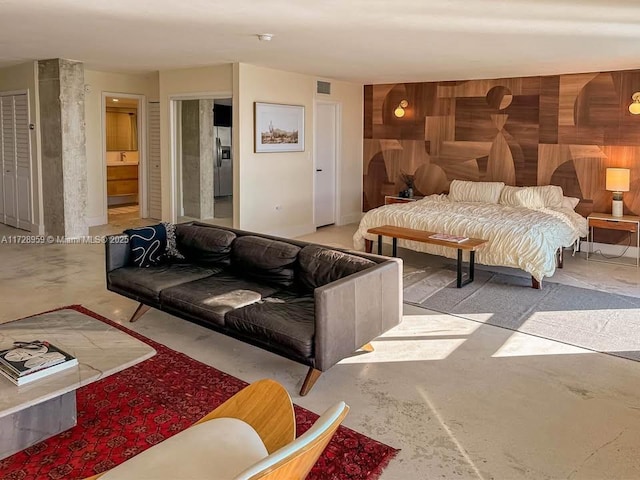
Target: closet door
(9,166)
(15,152)
(23,161)
(154,187)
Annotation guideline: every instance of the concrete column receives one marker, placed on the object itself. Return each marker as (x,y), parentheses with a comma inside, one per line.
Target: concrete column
(207,146)
(191,158)
(197,158)
(64,159)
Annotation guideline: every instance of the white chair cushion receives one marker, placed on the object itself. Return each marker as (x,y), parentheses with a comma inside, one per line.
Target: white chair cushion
(215,450)
(484,192)
(321,426)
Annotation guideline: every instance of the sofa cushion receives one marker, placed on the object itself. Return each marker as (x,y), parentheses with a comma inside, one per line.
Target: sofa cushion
(265,260)
(148,283)
(211,298)
(320,265)
(204,245)
(283,321)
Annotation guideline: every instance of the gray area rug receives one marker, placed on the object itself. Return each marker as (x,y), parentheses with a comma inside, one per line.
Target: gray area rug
(599,321)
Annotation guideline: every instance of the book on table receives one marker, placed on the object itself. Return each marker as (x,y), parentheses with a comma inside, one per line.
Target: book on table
(448,238)
(28,361)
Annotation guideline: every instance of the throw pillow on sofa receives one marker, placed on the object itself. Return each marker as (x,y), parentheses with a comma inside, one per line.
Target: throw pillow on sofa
(320,266)
(204,245)
(265,260)
(152,245)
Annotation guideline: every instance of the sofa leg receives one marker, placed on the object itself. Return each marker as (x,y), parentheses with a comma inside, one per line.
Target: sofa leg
(368,245)
(367,348)
(536,284)
(309,381)
(141,310)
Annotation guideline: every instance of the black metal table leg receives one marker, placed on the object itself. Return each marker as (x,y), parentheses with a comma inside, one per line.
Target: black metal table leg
(394,251)
(379,244)
(472,261)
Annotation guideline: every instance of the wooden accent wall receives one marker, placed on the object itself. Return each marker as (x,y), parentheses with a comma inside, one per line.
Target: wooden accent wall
(560,130)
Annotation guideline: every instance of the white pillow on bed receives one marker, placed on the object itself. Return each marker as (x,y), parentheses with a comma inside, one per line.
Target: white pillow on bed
(549,196)
(485,192)
(570,202)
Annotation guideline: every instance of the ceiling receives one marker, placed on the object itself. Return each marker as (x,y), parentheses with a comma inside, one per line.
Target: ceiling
(366,41)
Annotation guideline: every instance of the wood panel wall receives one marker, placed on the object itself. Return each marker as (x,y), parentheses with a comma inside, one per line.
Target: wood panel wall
(560,130)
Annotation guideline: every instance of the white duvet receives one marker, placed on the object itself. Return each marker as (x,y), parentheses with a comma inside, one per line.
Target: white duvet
(518,237)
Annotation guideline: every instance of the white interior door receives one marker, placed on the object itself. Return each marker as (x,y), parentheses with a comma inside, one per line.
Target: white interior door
(325,163)
(153,165)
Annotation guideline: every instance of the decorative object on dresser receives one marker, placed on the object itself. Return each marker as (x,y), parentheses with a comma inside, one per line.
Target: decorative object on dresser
(626,223)
(617,182)
(525,227)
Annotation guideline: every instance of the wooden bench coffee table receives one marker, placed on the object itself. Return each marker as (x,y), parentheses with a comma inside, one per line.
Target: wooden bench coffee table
(470,245)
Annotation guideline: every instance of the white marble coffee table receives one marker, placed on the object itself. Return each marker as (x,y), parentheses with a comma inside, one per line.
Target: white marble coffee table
(46,407)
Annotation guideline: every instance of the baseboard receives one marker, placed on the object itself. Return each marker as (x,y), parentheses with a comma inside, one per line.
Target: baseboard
(350,218)
(609,249)
(98,220)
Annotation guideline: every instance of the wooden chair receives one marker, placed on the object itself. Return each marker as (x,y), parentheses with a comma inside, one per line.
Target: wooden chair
(251,436)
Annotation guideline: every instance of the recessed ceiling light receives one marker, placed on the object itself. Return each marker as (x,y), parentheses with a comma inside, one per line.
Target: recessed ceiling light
(115,100)
(265,37)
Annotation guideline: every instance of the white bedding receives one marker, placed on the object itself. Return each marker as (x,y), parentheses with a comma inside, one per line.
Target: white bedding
(518,237)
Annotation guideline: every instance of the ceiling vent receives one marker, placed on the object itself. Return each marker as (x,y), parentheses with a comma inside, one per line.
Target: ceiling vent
(323,87)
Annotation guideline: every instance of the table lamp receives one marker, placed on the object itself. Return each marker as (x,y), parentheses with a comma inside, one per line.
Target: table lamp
(617,182)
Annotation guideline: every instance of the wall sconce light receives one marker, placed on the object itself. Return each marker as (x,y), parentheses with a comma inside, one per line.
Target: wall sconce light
(634,108)
(399,111)
(617,181)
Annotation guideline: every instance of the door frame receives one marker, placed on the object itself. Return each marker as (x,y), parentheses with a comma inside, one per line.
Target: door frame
(174,142)
(337,171)
(142,152)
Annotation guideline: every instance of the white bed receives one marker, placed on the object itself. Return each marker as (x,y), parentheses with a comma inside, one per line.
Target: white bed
(519,237)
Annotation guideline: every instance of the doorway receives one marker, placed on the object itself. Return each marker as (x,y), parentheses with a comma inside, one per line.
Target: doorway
(202,139)
(123,145)
(327,120)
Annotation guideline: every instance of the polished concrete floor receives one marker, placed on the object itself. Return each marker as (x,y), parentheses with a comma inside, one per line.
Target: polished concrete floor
(460,398)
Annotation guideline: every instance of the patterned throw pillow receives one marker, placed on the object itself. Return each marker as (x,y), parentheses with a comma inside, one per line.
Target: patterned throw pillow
(148,245)
(153,245)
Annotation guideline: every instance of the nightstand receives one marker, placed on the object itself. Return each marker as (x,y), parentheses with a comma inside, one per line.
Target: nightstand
(626,223)
(390,199)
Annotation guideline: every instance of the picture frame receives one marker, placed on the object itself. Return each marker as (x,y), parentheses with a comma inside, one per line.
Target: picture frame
(278,127)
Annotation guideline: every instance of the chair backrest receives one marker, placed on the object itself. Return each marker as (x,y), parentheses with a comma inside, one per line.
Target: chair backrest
(295,460)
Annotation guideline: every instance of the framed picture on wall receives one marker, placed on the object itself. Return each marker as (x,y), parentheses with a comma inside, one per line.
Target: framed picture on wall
(278,128)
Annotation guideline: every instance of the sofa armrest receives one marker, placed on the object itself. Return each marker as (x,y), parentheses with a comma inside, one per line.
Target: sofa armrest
(116,251)
(354,310)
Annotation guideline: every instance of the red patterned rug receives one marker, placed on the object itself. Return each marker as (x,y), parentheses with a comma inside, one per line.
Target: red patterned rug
(128,412)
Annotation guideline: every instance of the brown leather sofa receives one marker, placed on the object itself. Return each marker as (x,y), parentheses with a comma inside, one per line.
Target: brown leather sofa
(309,303)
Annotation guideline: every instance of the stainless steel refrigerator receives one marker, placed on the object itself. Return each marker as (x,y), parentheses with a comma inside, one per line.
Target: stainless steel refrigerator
(222,167)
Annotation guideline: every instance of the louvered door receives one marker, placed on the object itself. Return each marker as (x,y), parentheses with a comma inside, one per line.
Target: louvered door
(16,161)
(154,179)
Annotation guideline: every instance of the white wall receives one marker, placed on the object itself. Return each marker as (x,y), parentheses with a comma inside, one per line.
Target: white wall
(285,180)
(184,82)
(25,77)
(99,82)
